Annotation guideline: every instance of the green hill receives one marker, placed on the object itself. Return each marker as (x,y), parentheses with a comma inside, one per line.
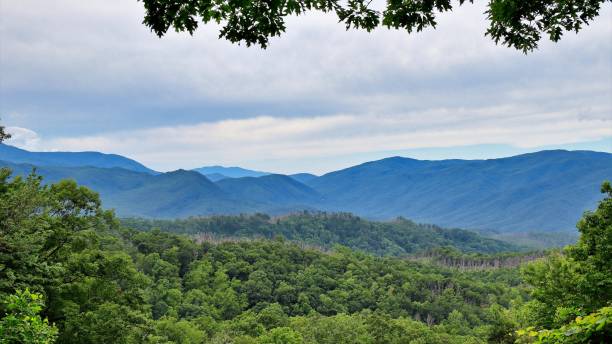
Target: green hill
(398,238)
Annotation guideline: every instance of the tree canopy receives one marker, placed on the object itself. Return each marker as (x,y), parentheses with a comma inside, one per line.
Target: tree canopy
(572,290)
(3,134)
(517,24)
(104,283)
(23,323)
(400,237)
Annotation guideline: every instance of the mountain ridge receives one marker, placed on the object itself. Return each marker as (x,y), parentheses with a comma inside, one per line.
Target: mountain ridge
(230,171)
(540,191)
(368,188)
(71,159)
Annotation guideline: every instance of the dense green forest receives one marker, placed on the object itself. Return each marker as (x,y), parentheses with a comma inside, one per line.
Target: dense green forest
(71,272)
(320,229)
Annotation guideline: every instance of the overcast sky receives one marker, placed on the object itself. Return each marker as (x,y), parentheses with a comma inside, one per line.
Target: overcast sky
(87,75)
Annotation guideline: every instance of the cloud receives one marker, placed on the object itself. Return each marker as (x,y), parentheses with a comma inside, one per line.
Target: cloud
(72,67)
(23,138)
(89,75)
(260,141)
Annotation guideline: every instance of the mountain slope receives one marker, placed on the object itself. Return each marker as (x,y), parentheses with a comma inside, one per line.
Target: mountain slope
(174,194)
(70,159)
(399,237)
(547,190)
(214,177)
(106,181)
(180,193)
(543,191)
(303,177)
(270,189)
(230,172)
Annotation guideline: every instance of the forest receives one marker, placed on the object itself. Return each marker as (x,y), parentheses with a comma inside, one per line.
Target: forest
(72,272)
(324,230)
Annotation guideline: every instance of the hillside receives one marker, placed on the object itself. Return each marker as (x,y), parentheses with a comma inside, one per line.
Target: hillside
(229,172)
(115,284)
(167,194)
(214,177)
(270,189)
(543,191)
(70,159)
(106,181)
(397,238)
(303,177)
(180,193)
(97,280)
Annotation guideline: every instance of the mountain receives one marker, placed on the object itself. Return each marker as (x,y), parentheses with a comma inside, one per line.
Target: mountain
(214,177)
(229,172)
(303,177)
(166,195)
(174,194)
(106,181)
(70,159)
(543,191)
(270,189)
(180,193)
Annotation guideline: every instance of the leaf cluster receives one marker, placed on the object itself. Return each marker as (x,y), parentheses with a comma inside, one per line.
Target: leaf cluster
(514,23)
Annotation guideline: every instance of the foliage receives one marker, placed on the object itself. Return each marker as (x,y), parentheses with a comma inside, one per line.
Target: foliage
(451,257)
(535,240)
(578,280)
(108,284)
(105,283)
(3,134)
(571,284)
(318,229)
(40,225)
(22,324)
(593,328)
(517,24)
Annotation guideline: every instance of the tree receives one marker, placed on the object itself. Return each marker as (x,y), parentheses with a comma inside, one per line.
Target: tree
(107,284)
(517,24)
(273,316)
(281,335)
(39,225)
(23,324)
(593,328)
(4,135)
(577,281)
(56,239)
(593,253)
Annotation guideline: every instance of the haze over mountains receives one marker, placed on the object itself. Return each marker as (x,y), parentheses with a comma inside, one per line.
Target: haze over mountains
(543,191)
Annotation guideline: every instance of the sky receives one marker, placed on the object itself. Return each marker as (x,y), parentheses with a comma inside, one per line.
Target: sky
(88,75)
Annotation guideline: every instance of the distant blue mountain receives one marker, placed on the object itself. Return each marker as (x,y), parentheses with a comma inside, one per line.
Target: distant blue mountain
(543,191)
(275,189)
(229,172)
(70,159)
(215,177)
(303,177)
(173,194)
(180,193)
